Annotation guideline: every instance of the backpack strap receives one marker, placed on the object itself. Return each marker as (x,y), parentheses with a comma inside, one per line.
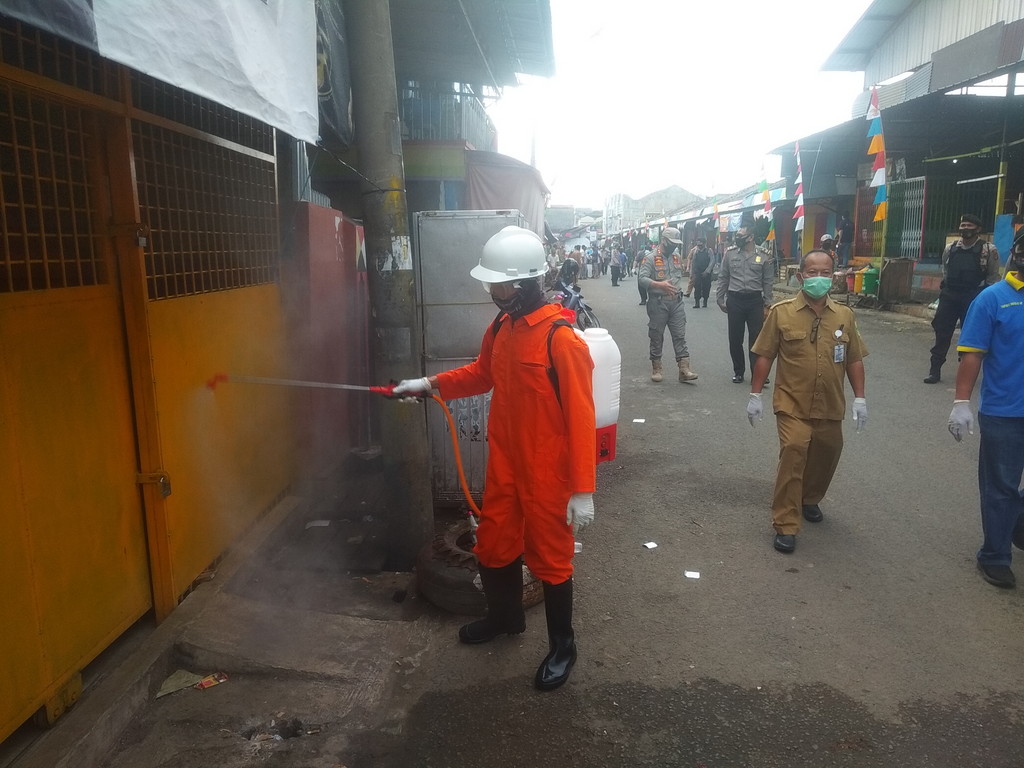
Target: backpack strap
(496,323)
(552,373)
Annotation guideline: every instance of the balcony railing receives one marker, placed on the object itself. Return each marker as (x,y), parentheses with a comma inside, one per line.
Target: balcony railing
(427,114)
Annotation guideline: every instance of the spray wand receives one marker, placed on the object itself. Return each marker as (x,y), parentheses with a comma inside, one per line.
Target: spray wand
(387,391)
(223,377)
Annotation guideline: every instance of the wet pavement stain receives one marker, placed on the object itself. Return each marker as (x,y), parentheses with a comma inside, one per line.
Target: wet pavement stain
(706,723)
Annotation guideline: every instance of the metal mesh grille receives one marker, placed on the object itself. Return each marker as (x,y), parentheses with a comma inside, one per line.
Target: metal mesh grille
(42,53)
(211,213)
(173,103)
(47,195)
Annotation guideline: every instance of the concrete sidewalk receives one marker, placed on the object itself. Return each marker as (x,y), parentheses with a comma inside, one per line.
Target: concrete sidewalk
(307,632)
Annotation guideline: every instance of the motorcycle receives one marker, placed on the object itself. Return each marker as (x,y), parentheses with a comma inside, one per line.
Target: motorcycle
(571,297)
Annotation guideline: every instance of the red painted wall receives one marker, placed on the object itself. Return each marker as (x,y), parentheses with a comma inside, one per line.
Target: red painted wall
(323,278)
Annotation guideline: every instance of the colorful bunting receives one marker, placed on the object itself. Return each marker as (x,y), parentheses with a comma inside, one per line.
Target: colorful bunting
(877,148)
(766,196)
(798,214)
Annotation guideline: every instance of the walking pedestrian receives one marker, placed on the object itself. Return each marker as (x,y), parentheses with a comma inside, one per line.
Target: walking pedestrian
(845,241)
(640,287)
(702,262)
(968,265)
(540,469)
(661,273)
(817,345)
(992,341)
(745,288)
(828,245)
(618,260)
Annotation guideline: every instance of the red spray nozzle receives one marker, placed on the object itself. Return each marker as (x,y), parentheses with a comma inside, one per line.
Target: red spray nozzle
(217,379)
(387,390)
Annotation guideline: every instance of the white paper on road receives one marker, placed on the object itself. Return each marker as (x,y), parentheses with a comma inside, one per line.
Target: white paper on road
(692,574)
(650,545)
(639,421)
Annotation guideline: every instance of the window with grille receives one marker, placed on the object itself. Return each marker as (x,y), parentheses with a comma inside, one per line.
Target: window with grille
(211,212)
(25,47)
(47,195)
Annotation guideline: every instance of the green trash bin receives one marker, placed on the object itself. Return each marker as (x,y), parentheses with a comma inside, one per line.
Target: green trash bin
(871,281)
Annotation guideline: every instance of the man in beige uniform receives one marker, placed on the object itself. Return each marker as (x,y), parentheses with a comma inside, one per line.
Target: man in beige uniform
(818,345)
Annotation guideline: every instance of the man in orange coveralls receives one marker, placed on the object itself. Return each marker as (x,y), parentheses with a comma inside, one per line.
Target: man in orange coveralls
(542,444)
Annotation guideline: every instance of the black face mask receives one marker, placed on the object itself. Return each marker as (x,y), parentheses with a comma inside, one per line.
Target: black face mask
(527,298)
(742,240)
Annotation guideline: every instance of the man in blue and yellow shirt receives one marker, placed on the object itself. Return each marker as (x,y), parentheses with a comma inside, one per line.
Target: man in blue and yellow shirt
(992,340)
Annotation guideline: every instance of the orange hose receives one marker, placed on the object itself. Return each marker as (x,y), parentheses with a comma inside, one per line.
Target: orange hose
(458,456)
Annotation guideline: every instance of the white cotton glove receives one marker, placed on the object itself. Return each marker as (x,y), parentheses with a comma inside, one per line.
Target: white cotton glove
(580,511)
(754,408)
(860,413)
(961,419)
(412,388)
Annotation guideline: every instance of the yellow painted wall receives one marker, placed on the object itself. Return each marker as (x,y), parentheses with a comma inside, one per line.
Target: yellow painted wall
(73,560)
(227,451)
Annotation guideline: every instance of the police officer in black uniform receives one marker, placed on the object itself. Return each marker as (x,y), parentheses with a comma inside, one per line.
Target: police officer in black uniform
(968,265)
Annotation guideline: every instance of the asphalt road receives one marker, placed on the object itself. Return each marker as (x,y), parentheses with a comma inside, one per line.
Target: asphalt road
(875,644)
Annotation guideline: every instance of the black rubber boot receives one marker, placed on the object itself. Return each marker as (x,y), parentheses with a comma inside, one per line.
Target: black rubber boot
(555,668)
(503,588)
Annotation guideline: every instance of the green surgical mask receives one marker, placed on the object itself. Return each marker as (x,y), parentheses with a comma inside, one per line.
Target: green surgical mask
(816,287)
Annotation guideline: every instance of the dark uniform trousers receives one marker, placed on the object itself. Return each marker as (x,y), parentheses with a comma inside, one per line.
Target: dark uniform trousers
(809,451)
(952,309)
(745,309)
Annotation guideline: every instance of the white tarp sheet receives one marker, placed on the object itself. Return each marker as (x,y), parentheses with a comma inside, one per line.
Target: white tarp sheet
(255,56)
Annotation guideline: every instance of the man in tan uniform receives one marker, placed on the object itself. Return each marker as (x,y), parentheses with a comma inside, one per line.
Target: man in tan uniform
(817,345)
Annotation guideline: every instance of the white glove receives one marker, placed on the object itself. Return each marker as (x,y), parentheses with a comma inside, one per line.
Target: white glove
(754,408)
(860,413)
(414,387)
(961,419)
(580,511)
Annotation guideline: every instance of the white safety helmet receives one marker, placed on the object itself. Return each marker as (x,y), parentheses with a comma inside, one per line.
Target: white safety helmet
(512,254)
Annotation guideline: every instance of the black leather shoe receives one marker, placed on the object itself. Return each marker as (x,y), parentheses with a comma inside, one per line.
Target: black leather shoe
(737,379)
(812,513)
(932,378)
(998,575)
(784,542)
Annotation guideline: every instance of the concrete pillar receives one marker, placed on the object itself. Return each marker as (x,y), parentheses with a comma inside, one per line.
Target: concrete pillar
(395,328)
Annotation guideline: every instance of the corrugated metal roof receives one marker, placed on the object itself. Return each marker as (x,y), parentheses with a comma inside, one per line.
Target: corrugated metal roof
(854,52)
(896,36)
(479,42)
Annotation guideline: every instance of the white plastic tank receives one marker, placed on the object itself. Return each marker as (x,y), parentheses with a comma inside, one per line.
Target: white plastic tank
(607,378)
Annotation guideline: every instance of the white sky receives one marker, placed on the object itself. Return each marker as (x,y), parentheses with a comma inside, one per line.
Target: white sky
(650,93)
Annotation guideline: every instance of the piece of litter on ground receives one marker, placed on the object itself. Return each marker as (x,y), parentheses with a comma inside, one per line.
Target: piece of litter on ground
(178,681)
(211,680)
(692,574)
(577,547)
(639,421)
(650,544)
(317,524)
